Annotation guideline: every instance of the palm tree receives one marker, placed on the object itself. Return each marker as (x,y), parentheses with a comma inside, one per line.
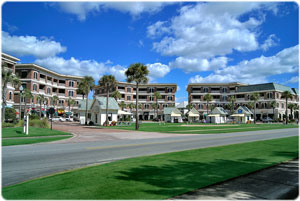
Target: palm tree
(80,90)
(26,94)
(254,97)
(207,98)
(7,77)
(157,96)
(273,105)
(131,106)
(232,101)
(117,95)
(292,107)
(189,107)
(86,85)
(154,107)
(41,99)
(108,82)
(137,73)
(122,105)
(250,105)
(54,100)
(286,95)
(70,103)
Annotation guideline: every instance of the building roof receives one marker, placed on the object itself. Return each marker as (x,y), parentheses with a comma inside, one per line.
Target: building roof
(169,110)
(214,84)
(81,105)
(242,110)
(193,112)
(9,57)
(219,110)
(112,103)
(182,105)
(265,87)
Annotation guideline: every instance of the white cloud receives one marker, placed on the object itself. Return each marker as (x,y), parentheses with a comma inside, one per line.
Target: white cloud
(294,79)
(256,70)
(82,9)
(271,41)
(30,45)
(204,31)
(157,70)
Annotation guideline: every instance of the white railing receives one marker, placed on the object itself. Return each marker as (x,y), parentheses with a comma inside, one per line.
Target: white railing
(42,80)
(61,94)
(62,84)
(42,91)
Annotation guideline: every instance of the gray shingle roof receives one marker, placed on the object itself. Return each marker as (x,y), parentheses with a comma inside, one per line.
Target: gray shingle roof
(243,110)
(81,105)
(112,103)
(169,110)
(265,87)
(219,110)
(182,104)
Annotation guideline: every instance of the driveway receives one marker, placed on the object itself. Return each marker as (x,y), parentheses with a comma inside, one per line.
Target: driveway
(84,133)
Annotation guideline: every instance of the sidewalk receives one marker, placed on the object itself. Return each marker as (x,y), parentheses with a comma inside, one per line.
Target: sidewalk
(277,182)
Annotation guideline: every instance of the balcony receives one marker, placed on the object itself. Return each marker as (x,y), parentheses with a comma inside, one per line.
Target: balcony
(42,80)
(61,94)
(54,84)
(42,91)
(62,84)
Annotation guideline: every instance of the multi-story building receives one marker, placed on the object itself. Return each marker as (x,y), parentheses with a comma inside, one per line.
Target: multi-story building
(9,62)
(221,91)
(40,80)
(146,97)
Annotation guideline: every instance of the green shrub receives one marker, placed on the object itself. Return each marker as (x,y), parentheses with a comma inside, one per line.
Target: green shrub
(7,125)
(34,116)
(10,115)
(35,123)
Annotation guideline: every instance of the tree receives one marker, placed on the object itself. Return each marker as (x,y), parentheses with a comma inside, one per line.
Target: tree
(70,103)
(254,97)
(117,95)
(232,101)
(54,100)
(154,107)
(109,83)
(131,106)
(41,99)
(26,94)
(250,105)
(286,95)
(86,85)
(80,90)
(122,105)
(137,73)
(208,98)
(273,105)
(189,107)
(157,96)
(7,77)
(292,107)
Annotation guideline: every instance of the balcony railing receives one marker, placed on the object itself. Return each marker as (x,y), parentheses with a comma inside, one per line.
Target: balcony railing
(42,91)
(42,80)
(62,84)
(61,94)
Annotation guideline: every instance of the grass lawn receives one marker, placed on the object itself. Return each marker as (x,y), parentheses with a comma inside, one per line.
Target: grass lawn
(33,132)
(37,133)
(203,128)
(158,176)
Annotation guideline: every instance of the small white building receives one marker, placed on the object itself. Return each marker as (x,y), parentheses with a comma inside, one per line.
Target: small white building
(182,107)
(217,116)
(80,112)
(172,114)
(242,115)
(98,110)
(193,115)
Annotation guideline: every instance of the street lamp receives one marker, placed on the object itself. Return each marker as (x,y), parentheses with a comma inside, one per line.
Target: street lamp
(21,89)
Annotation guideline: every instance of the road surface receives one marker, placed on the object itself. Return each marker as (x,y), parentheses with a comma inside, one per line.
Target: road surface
(24,162)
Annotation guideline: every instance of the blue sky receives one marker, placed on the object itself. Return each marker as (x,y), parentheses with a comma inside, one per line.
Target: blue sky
(181,42)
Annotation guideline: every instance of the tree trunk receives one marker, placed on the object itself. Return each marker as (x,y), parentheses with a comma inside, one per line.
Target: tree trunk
(40,109)
(157,108)
(3,101)
(286,111)
(254,112)
(207,108)
(86,108)
(107,94)
(137,108)
(69,109)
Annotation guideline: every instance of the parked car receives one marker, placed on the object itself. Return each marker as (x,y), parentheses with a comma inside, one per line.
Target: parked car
(267,119)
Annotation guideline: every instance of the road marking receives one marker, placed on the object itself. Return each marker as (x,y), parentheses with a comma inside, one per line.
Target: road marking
(174,141)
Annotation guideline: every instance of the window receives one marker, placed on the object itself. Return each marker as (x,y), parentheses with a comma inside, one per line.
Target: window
(34,87)
(24,74)
(128,97)
(61,102)
(205,90)
(129,89)
(35,75)
(48,90)
(200,106)
(71,84)
(224,90)
(76,102)
(170,90)
(169,98)
(151,98)
(71,93)
(165,105)
(151,90)
(147,106)
(24,86)
(282,105)
(10,95)
(224,98)
(269,95)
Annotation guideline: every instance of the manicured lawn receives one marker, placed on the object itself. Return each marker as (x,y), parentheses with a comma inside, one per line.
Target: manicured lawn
(203,128)
(159,176)
(9,142)
(33,132)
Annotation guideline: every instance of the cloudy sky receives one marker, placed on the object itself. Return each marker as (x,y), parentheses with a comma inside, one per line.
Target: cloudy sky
(180,42)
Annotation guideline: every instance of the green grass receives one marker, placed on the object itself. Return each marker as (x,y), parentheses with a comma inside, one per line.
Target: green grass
(33,132)
(159,176)
(213,128)
(9,142)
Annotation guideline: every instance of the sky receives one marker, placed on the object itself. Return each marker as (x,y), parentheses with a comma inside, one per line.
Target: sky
(179,42)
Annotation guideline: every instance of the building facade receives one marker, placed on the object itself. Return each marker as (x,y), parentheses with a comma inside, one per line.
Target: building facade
(146,97)
(221,91)
(40,80)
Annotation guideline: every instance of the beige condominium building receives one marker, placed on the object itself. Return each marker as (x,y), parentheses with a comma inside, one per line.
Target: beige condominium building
(146,97)
(221,91)
(40,80)
(9,62)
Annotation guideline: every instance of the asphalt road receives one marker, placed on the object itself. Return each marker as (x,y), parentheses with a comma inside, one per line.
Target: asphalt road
(24,162)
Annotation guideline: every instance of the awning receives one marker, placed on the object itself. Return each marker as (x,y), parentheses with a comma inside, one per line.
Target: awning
(121,112)
(238,115)
(68,113)
(214,115)
(175,115)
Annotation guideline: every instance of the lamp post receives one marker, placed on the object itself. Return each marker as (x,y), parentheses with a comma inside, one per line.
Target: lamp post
(21,89)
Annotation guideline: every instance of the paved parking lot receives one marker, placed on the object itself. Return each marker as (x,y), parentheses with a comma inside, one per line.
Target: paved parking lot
(84,133)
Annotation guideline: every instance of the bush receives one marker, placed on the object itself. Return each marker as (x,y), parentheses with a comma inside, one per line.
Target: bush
(35,123)
(7,125)
(10,115)
(34,116)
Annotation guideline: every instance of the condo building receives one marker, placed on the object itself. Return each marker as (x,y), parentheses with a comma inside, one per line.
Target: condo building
(146,97)
(221,91)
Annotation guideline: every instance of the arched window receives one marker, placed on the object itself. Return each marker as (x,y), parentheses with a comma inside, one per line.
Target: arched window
(10,95)
(71,84)
(205,90)
(48,90)
(34,87)
(35,75)
(71,93)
